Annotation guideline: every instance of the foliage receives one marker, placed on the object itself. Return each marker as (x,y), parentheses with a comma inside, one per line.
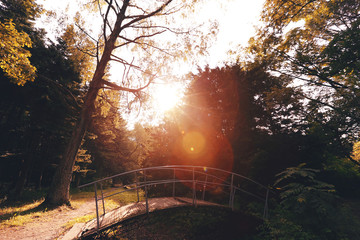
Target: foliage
(22,12)
(16,34)
(316,43)
(77,45)
(35,118)
(160,145)
(14,57)
(356,151)
(309,209)
(81,169)
(254,111)
(108,139)
(300,186)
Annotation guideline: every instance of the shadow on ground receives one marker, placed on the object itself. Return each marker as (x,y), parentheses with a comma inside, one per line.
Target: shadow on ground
(186,223)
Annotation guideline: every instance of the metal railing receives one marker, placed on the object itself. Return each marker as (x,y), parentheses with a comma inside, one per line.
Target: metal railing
(196,178)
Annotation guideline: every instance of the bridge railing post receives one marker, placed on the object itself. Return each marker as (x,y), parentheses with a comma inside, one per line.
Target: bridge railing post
(204,188)
(137,188)
(195,193)
(231,190)
(146,194)
(265,216)
(232,201)
(173,190)
(102,198)
(193,181)
(97,209)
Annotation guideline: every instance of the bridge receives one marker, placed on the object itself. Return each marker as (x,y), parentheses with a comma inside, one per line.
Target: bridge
(168,187)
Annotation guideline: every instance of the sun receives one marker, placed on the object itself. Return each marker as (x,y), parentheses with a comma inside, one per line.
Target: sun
(166,97)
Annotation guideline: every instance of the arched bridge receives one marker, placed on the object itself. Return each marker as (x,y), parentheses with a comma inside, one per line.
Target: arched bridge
(172,186)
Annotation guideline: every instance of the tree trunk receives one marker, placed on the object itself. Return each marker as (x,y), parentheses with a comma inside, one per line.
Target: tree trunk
(21,181)
(59,190)
(26,163)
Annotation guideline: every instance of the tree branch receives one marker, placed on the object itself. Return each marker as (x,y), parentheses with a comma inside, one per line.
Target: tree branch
(120,88)
(142,17)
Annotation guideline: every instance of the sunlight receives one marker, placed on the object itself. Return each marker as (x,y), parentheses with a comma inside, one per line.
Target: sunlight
(166,96)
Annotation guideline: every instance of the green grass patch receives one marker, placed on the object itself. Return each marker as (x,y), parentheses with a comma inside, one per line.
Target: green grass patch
(82,219)
(111,202)
(19,214)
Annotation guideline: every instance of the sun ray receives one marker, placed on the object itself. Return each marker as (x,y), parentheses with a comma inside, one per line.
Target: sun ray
(166,97)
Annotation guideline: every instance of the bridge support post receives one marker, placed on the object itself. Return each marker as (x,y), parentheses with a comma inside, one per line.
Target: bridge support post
(97,209)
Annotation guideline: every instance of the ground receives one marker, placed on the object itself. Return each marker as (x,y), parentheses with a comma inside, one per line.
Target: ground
(50,225)
(28,220)
(185,223)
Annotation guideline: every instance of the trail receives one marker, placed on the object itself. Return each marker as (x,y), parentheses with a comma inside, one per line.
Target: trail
(49,226)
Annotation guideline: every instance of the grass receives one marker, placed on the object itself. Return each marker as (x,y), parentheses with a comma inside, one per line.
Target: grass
(82,219)
(18,213)
(26,213)
(111,202)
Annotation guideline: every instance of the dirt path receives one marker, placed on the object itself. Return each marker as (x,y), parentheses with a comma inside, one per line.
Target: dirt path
(49,226)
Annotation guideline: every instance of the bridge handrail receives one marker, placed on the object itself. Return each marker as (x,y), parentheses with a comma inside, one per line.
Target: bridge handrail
(186,168)
(172,167)
(159,182)
(206,174)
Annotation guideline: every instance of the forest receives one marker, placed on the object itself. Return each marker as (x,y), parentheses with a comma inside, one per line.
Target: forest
(286,113)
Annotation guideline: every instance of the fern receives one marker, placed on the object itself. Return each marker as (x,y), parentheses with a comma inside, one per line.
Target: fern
(309,208)
(296,173)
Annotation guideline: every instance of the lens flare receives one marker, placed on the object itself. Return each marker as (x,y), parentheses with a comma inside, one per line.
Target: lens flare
(194,144)
(206,148)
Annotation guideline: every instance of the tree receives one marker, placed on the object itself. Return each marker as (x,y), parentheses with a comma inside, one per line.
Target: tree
(356,151)
(236,103)
(14,57)
(35,115)
(125,23)
(15,27)
(108,139)
(316,43)
(160,143)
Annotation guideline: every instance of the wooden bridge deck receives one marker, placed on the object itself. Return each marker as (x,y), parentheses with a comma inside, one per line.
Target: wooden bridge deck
(131,210)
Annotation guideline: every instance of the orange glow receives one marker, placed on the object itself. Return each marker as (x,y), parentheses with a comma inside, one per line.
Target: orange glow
(194,143)
(203,147)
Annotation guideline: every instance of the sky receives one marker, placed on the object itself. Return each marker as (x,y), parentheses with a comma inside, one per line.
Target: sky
(236,20)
